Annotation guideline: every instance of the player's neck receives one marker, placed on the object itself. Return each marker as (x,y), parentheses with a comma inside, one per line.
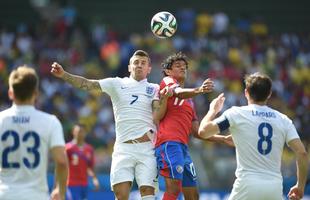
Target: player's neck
(78,142)
(260,103)
(24,103)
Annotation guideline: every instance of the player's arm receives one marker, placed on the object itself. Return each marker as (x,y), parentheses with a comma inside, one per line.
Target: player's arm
(223,139)
(61,172)
(76,81)
(208,127)
(185,93)
(297,191)
(92,174)
(159,107)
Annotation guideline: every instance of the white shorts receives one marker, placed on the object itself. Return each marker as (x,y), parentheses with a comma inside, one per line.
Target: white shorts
(257,189)
(131,161)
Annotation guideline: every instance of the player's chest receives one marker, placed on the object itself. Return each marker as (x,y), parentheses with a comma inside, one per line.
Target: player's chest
(136,95)
(181,104)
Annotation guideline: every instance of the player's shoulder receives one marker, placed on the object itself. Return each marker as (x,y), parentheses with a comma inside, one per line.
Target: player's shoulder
(168,80)
(280,115)
(46,116)
(89,147)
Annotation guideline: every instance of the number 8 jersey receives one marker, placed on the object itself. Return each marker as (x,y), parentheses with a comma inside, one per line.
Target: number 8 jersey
(259,134)
(26,136)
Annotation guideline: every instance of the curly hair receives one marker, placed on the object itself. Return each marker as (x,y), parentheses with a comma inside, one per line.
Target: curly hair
(171,59)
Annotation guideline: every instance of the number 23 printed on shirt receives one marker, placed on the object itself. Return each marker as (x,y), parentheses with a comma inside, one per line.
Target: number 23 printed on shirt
(7,163)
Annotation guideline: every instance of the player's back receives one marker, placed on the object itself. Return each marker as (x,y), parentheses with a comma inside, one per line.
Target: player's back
(259,134)
(26,135)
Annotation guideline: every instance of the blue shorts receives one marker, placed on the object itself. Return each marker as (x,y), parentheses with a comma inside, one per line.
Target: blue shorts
(174,161)
(76,193)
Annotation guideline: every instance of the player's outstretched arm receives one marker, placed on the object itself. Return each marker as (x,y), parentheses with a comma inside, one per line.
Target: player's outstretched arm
(297,191)
(77,81)
(61,172)
(222,139)
(184,93)
(208,127)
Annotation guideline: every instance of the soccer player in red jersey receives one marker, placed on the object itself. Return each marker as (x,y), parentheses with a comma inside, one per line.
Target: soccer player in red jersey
(177,119)
(81,164)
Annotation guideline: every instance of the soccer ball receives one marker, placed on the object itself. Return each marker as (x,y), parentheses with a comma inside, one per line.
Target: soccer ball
(163,24)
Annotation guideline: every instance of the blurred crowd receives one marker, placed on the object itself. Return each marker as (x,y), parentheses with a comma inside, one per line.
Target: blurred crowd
(216,46)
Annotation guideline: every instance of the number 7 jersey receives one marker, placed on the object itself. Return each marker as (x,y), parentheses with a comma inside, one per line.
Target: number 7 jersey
(26,136)
(259,134)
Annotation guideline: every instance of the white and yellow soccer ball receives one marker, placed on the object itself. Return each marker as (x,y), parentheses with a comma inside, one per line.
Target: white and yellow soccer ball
(163,24)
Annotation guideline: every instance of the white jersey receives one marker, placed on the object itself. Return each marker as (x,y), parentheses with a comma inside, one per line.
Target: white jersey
(259,134)
(132,106)
(26,136)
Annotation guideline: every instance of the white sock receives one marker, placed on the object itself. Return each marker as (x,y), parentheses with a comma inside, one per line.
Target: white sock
(148,197)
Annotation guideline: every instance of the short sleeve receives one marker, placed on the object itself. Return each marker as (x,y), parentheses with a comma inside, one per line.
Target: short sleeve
(157,92)
(168,81)
(107,85)
(57,135)
(225,120)
(291,132)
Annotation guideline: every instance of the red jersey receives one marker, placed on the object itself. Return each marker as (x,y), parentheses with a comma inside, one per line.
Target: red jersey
(80,158)
(177,123)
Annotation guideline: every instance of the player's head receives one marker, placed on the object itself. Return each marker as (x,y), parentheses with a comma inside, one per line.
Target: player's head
(79,132)
(176,66)
(139,65)
(23,84)
(258,87)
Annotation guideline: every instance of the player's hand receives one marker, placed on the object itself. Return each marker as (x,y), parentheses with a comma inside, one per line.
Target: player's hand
(216,104)
(57,70)
(166,92)
(96,183)
(229,141)
(55,195)
(207,86)
(295,193)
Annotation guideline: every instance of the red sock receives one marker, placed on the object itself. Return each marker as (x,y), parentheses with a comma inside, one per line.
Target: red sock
(169,196)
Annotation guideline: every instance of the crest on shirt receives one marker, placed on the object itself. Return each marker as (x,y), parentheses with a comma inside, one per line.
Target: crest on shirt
(150,90)
(179,169)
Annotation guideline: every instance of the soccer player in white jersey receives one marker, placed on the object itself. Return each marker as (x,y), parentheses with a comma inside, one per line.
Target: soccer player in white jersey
(26,137)
(259,133)
(132,98)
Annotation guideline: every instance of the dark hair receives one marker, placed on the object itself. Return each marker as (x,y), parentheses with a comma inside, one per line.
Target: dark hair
(259,86)
(167,64)
(24,81)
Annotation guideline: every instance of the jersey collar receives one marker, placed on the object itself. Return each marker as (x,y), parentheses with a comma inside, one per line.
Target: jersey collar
(142,81)
(23,107)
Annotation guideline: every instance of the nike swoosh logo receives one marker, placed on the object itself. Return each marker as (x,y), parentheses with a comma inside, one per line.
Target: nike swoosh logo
(123,87)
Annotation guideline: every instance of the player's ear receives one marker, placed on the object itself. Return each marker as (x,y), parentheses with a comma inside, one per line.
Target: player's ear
(149,69)
(11,94)
(246,93)
(167,72)
(269,95)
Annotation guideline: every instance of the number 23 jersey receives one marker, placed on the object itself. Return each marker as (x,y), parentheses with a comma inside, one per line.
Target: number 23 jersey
(26,136)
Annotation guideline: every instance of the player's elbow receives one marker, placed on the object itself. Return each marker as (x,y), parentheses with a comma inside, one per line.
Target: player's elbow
(206,130)
(202,132)
(62,162)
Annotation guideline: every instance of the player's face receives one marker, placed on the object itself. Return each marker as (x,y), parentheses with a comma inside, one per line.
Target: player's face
(139,67)
(79,133)
(178,70)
